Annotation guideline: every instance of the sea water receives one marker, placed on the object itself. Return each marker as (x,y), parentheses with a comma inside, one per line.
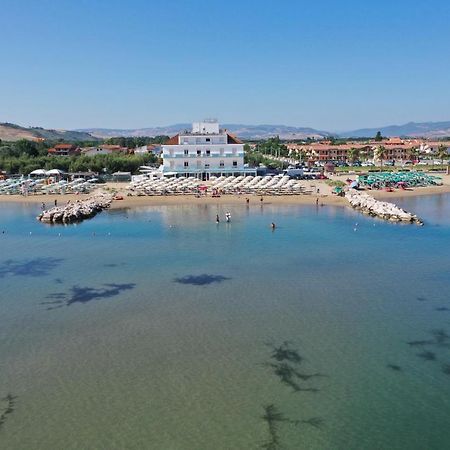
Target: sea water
(156,328)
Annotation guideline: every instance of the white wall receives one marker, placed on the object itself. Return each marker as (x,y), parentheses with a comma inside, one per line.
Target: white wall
(97,151)
(205,127)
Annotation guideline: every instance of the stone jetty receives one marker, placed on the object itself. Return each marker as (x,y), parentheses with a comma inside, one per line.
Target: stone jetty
(384,210)
(76,211)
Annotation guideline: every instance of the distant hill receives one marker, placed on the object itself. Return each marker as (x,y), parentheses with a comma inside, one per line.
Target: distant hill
(411,129)
(242,131)
(13,132)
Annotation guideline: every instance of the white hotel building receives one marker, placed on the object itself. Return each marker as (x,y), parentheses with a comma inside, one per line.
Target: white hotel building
(205,151)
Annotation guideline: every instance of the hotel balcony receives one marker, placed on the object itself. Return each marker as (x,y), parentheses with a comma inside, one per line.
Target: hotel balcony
(212,155)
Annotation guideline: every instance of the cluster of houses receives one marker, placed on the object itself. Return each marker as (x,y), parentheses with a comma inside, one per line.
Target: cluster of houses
(395,149)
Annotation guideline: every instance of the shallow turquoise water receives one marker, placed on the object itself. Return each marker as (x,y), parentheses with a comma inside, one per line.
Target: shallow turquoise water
(156,328)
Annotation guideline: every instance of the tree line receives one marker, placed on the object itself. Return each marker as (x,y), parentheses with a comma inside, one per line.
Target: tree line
(22,157)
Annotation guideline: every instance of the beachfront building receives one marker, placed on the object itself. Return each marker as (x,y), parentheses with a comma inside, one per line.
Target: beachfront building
(203,152)
(394,149)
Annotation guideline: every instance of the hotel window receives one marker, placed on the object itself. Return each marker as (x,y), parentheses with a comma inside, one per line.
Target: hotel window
(199,153)
(186,164)
(208,152)
(234,163)
(186,152)
(221,164)
(185,141)
(197,140)
(234,150)
(208,139)
(206,166)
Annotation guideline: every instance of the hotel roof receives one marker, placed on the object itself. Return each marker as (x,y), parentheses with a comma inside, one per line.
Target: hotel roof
(231,138)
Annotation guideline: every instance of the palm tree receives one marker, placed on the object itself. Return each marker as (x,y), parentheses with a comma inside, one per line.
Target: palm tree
(353,154)
(414,153)
(380,153)
(442,153)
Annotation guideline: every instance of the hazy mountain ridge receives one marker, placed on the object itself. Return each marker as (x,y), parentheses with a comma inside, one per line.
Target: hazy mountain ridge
(243,131)
(411,129)
(13,132)
(264,131)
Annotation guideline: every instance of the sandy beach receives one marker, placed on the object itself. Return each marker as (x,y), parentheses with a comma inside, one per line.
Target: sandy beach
(325,196)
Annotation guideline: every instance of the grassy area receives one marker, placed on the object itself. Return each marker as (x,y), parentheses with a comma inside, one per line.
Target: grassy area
(335,183)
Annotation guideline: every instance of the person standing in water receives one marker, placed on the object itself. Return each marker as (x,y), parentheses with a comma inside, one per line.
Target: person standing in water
(217,218)
(273,226)
(228,217)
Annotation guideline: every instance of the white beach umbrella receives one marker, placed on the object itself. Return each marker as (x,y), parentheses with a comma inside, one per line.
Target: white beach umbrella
(38,172)
(53,172)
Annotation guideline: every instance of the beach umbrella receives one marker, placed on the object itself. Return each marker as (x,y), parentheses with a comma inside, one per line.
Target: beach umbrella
(56,172)
(38,172)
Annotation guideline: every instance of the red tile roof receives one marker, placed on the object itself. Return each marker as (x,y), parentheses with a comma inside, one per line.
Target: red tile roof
(111,147)
(64,146)
(172,141)
(232,139)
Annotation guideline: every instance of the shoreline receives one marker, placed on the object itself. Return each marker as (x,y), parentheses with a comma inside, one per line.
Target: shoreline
(130,202)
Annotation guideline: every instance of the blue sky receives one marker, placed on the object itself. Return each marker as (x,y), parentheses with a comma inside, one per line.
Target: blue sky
(126,64)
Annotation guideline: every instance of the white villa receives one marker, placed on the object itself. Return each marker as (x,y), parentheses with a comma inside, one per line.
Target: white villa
(205,151)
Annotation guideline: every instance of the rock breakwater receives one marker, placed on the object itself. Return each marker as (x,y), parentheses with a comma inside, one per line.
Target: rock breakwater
(384,210)
(76,211)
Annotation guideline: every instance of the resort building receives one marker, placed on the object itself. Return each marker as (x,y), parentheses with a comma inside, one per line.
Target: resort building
(204,151)
(395,149)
